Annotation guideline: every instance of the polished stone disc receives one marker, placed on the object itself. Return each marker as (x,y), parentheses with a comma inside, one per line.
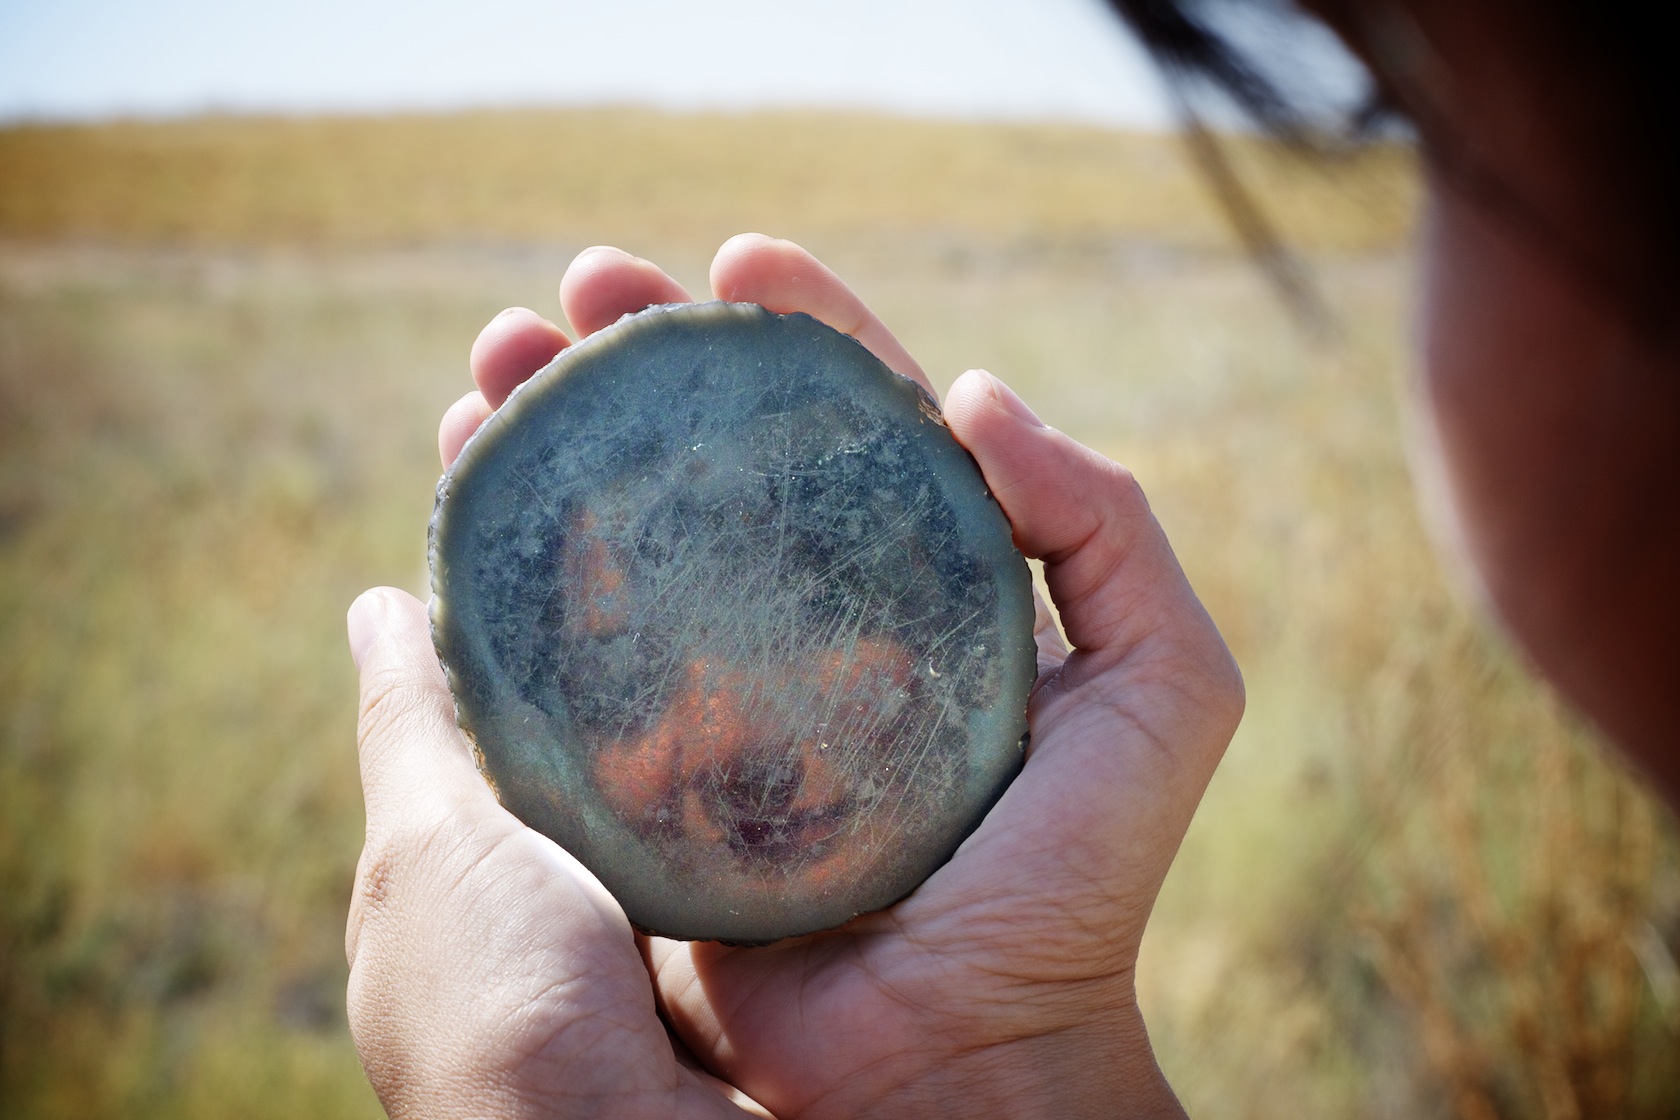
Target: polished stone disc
(730,615)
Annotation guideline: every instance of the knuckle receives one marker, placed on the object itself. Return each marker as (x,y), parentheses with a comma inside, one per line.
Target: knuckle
(1235,693)
(1119,486)
(1224,693)
(376,874)
(406,863)
(390,699)
(396,881)
(373,888)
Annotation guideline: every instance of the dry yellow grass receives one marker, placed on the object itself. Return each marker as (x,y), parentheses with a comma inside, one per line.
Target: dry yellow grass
(640,176)
(1414,889)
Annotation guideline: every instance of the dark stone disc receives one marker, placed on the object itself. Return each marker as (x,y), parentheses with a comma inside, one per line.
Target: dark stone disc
(730,615)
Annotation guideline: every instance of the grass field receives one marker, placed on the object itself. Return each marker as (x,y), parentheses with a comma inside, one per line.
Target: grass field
(1415,889)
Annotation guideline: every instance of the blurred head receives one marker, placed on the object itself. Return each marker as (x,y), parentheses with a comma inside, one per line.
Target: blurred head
(1547,385)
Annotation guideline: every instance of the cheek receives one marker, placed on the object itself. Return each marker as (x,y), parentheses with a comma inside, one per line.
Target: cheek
(1505,459)
(1545,437)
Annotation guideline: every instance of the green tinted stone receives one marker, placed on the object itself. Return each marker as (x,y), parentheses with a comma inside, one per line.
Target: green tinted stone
(730,615)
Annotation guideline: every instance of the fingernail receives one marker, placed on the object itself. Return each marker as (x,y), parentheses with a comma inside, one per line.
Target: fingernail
(1013,404)
(364,621)
(506,311)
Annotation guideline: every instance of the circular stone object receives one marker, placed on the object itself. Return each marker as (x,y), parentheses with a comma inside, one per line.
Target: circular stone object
(730,615)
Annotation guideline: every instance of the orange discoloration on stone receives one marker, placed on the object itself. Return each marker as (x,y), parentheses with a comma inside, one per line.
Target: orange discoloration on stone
(822,784)
(724,728)
(596,575)
(699,826)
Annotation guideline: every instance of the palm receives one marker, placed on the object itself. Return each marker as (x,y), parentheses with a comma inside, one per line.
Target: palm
(1011,941)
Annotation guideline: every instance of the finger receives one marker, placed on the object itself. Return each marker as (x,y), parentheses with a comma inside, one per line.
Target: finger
(416,764)
(1123,599)
(604,284)
(1105,558)
(689,1015)
(459,423)
(781,276)
(511,347)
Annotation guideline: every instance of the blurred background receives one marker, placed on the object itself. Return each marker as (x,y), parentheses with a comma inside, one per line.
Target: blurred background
(243,253)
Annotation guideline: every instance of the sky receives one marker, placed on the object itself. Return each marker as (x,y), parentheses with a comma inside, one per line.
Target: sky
(996,59)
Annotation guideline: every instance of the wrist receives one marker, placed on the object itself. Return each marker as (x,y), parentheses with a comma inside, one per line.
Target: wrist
(1110,1072)
(1101,1068)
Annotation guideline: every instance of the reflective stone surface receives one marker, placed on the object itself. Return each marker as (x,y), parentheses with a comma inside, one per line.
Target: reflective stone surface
(730,616)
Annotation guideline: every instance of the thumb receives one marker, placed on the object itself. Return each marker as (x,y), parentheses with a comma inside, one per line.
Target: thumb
(1143,643)
(417,766)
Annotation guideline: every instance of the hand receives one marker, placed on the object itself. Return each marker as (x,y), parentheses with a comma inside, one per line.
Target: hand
(491,974)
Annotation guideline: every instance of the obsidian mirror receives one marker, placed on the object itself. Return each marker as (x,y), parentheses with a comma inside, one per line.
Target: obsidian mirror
(730,615)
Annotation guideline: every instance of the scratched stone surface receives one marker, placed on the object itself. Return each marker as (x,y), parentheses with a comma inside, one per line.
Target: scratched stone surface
(730,615)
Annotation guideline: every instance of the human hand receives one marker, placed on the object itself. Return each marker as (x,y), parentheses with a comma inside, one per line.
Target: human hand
(492,974)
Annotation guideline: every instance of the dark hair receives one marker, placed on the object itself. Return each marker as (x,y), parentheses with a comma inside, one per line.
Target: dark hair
(1193,45)
(1246,51)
